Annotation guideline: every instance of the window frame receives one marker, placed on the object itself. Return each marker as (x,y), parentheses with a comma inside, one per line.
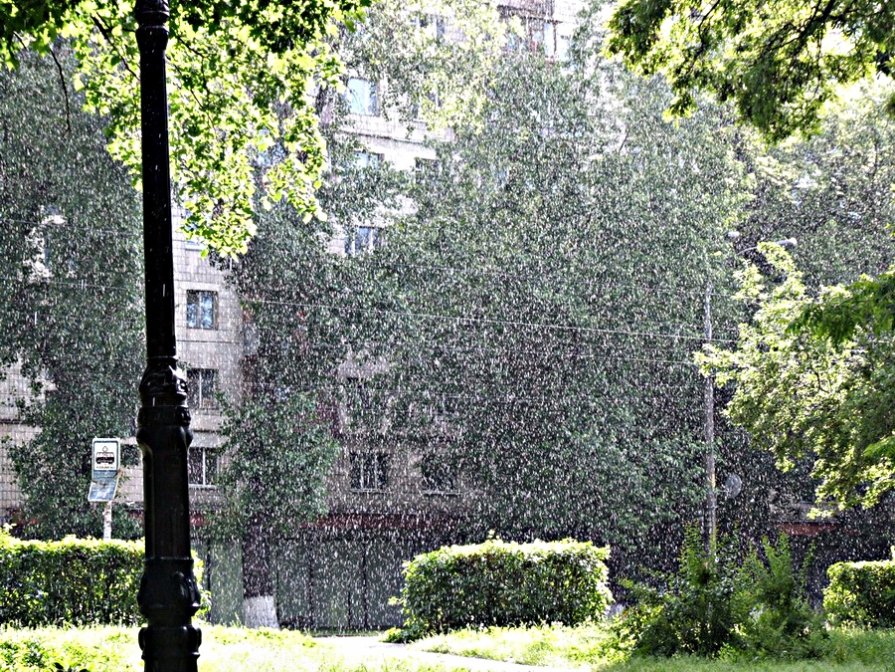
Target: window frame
(374,239)
(367,104)
(207,453)
(372,469)
(194,299)
(196,396)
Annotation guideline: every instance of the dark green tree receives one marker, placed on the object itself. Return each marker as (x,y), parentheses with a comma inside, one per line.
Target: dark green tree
(303,303)
(537,309)
(72,312)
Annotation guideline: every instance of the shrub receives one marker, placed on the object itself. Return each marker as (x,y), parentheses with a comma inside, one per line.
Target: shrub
(771,612)
(68,582)
(690,613)
(861,594)
(502,583)
(712,604)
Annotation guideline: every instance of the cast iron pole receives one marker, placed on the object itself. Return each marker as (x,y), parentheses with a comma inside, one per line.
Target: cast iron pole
(169,596)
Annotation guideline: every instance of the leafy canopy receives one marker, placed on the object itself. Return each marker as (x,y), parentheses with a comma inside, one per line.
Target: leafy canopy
(778,62)
(241,77)
(821,394)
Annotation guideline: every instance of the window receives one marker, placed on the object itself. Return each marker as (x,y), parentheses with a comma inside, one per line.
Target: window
(438,474)
(368,471)
(365,239)
(202,466)
(537,35)
(426,170)
(432,25)
(364,159)
(562,48)
(201,309)
(363,97)
(202,386)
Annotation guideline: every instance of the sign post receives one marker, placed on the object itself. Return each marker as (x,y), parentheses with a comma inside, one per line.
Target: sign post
(104,469)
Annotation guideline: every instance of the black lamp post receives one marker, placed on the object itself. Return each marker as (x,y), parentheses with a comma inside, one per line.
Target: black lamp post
(169,596)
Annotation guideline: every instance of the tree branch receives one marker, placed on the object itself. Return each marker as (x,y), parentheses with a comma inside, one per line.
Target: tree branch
(64,89)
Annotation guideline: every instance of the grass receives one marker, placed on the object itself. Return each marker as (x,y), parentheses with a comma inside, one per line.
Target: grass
(589,647)
(224,649)
(230,649)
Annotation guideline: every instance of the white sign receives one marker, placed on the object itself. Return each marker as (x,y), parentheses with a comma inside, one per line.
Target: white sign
(106,454)
(104,463)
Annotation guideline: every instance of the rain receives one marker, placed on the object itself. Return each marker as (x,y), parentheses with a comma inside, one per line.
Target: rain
(521,302)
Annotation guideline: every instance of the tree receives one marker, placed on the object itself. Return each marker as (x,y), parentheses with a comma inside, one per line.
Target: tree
(70,310)
(804,395)
(809,372)
(240,75)
(525,308)
(832,192)
(301,300)
(779,63)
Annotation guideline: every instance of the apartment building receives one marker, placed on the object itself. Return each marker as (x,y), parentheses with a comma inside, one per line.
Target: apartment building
(386,503)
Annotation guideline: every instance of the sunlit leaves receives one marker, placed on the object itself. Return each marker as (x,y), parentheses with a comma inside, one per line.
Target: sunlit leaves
(241,78)
(779,62)
(813,384)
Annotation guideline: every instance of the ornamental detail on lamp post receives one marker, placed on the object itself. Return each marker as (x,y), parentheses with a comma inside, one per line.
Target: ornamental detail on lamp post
(169,595)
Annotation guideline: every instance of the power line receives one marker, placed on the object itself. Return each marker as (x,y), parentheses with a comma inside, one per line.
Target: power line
(494,321)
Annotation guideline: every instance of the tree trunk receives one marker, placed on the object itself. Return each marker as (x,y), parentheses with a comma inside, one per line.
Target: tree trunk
(258,603)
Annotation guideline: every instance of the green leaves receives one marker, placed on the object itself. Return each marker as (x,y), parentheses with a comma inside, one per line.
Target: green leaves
(69,235)
(503,583)
(241,79)
(813,379)
(778,64)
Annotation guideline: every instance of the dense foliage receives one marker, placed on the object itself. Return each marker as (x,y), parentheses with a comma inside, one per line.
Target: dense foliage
(802,395)
(242,83)
(861,594)
(757,608)
(69,582)
(777,62)
(524,306)
(70,312)
(503,583)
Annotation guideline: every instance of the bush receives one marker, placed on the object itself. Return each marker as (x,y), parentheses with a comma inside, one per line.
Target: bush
(861,594)
(690,613)
(771,612)
(759,609)
(68,582)
(502,583)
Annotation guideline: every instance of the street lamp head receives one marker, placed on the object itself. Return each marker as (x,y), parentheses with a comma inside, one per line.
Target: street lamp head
(732,235)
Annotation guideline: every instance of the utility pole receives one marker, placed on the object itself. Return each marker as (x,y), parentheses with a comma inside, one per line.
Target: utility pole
(168,596)
(711,496)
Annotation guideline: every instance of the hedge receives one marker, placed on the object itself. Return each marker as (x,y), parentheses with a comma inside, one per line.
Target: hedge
(69,582)
(501,583)
(861,593)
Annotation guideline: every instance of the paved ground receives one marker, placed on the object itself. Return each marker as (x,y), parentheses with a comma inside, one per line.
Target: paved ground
(368,650)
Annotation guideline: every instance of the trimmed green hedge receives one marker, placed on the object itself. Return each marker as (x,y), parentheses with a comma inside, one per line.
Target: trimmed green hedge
(861,593)
(69,582)
(501,583)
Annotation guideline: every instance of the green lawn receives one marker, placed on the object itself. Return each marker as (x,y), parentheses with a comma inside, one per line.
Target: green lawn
(228,649)
(224,649)
(588,647)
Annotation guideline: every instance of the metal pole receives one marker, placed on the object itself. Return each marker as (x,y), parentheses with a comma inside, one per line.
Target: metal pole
(711,500)
(168,596)
(107,521)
